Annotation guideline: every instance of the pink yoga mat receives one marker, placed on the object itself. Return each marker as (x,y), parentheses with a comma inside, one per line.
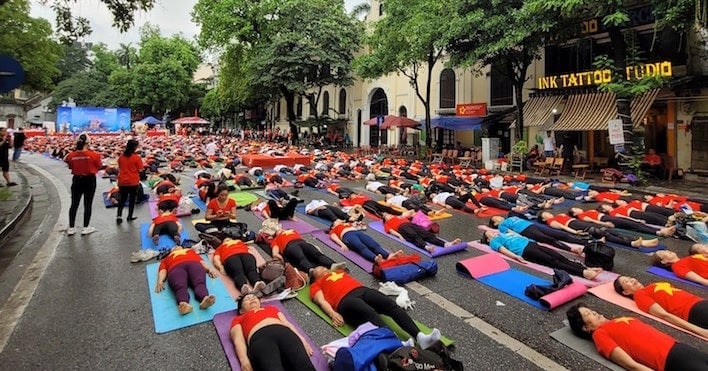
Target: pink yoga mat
(484,265)
(228,282)
(562,296)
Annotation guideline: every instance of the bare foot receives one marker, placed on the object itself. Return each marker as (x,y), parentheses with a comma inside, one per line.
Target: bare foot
(651,243)
(638,242)
(207,302)
(559,200)
(577,250)
(430,248)
(590,274)
(184,308)
(395,254)
(379,258)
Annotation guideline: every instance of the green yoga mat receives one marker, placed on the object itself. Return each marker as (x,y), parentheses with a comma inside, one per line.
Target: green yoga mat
(243,199)
(304,297)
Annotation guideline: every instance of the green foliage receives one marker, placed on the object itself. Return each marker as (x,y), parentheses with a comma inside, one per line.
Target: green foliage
(75,59)
(520,148)
(105,61)
(82,87)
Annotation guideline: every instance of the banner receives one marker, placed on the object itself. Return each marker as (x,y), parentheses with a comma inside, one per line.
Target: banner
(471,109)
(92,119)
(616,131)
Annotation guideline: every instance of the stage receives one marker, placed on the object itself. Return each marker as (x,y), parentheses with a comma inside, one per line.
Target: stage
(266,161)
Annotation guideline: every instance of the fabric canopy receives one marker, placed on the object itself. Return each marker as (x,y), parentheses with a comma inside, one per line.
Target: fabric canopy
(586,112)
(150,120)
(537,110)
(192,120)
(458,123)
(390,121)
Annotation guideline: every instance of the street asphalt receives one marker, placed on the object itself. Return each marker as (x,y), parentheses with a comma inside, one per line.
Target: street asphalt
(89,307)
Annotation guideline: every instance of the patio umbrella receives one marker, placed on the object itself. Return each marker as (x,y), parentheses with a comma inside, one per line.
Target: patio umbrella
(192,120)
(391,121)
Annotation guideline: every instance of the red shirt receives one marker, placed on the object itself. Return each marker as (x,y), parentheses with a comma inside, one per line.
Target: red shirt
(642,342)
(169,196)
(607,196)
(84,162)
(621,211)
(230,248)
(697,264)
(333,187)
(560,218)
(637,204)
(354,200)
(589,214)
(284,238)
(129,170)
(214,205)
(178,257)
(660,200)
(673,300)
(250,319)
(394,223)
(337,229)
(334,286)
(164,219)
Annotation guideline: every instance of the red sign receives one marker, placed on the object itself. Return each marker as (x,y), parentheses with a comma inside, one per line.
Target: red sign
(471,109)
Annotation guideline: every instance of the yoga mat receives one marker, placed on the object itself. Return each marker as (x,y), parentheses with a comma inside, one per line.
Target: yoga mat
(439,216)
(165,241)
(287,183)
(587,348)
(301,209)
(243,199)
(355,258)
(304,297)
(299,225)
(607,293)
(645,250)
(605,276)
(661,272)
(222,324)
(152,207)
(164,306)
(489,212)
(564,295)
(439,251)
(198,201)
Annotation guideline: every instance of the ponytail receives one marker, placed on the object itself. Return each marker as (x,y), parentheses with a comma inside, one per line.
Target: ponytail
(81,143)
(130,147)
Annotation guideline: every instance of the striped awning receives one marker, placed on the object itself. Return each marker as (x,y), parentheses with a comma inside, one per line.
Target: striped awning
(641,104)
(537,110)
(586,112)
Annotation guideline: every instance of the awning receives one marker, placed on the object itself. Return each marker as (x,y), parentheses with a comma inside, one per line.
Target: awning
(641,105)
(537,110)
(458,123)
(586,112)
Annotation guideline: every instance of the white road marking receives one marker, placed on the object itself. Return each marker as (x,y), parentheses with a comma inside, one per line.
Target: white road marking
(487,329)
(15,306)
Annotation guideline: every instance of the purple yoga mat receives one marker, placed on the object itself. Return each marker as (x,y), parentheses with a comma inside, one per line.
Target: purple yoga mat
(661,272)
(439,251)
(152,206)
(222,323)
(355,258)
(300,226)
(562,296)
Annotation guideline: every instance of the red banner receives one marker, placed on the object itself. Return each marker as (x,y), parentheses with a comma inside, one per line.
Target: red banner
(471,109)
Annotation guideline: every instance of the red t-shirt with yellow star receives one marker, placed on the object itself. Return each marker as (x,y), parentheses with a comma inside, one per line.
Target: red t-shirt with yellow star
(642,342)
(673,300)
(394,223)
(178,257)
(230,248)
(165,218)
(334,287)
(253,317)
(697,264)
(284,238)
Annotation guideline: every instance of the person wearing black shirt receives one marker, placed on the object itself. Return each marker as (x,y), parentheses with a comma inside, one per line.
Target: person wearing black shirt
(4,156)
(18,142)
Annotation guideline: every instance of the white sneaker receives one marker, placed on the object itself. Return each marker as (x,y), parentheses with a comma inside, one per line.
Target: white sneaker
(71,231)
(88,230)
(390,288)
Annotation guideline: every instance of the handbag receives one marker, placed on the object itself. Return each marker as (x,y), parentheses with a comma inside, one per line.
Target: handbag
(294,279)
(272,269)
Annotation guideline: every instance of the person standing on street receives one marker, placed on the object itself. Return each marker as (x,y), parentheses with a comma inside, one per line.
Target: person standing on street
(549,144)
(5,140)
(84,164)
(18,142)
(129,166)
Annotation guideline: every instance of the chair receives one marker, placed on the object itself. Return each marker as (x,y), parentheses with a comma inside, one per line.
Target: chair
(543,166)
(517,160)
(580,170)
(557,166)
(451,156)
(466,159)
(439,157)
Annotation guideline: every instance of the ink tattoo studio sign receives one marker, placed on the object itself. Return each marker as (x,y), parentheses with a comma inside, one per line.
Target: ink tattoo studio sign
(597,77)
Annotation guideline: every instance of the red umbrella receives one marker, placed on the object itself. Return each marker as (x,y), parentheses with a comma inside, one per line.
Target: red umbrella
(391,121)
(192,120)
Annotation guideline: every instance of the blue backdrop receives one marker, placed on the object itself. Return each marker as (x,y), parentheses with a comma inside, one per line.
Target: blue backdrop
(92,119)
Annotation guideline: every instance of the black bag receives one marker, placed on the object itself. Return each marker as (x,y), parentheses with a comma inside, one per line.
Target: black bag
(435,358)
(597,254)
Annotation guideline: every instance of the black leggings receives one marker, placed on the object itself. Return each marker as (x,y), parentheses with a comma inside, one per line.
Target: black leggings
(457,204)
(311,182)
(659,210)
(496,203)
(277,348)
(218,224)
(698,315)
(82,186)
(650,218)
(363,305)
(552,237)
(610,235)
(384,190)
(417,206)
(282,213)
(242,269)
(418,236)
(557,192)
(684,357)
(332,213)
(131,192)
(378,209)
(628,224)
(550,258)
(304,256)
(167,228)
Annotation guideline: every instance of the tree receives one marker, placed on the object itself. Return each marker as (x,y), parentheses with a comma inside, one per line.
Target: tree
(104,61)
(421,46)
(75,59)
(28,40)
(82,87)
(127,55)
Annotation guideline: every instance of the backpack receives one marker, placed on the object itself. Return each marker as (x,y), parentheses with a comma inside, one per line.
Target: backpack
(404,269)
(406,358)
(597,254)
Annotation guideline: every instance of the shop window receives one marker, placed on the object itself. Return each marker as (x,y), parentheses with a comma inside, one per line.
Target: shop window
(342,102)
(325,104)
(501,90)
(447,88)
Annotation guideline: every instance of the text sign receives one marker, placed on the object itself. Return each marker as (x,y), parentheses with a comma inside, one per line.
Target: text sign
(616,131)
(471,109)
(597,77)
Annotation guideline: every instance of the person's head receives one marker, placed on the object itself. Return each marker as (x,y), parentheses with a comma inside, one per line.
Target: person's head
(81,142)
(317,272)
(387,216)
(652,151)
(546,216)
(627,286)
(487,236)
(664,258)
(495,221)
(130,147)
(248,302)
(583,320)
(222,192)
(548,133)
(574,211)
(698,248)
(604,208)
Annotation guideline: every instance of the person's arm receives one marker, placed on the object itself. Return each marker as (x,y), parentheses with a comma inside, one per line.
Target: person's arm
(289,325)
(564,227)
(337,319)
(218,264)
(693,276)
(395,233)
(339,242)
(275,252)
(503,250)
(660,312)
(210,215)
(241,349)
(161,277)
(598,222)
(232,213)
(624,360)
(210,271)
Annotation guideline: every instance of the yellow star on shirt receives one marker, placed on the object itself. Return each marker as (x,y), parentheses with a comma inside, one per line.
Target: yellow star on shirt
(700,257)
(334,277)
(289,231)
(178,252)
(665,287)
(624,319)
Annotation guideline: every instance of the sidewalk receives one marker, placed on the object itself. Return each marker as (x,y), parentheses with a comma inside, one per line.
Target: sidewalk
(14,201)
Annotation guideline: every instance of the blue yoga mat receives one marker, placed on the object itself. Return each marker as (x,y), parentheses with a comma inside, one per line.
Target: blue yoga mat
(301,209)
(665,273)
(198,201)
(165,241)
(164,305)
(439,251)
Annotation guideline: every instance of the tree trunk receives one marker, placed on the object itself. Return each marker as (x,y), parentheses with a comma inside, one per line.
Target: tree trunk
(519,111)
(624,112)
(290,108)
(426,104)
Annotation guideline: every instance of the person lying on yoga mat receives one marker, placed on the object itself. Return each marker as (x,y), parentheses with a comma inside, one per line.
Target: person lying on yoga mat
(667,302)
(351,237)
(608,196)
(184,268)
(415,203)
(265,340)
(339,191)
(675,202)
(275,209)
(571,225)
(166,223)
(206,187)
(693,267)
(647,207)
(322,209)
(233,259)
(368,204)
(220,211)
(501,200)
(535,232)
(633,344)
(450,201)
(627,211)
(346,300)
(380,188)
(402,227)
(523,249)
(288,245)
(608,221)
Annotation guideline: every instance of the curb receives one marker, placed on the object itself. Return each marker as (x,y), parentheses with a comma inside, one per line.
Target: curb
(20,211)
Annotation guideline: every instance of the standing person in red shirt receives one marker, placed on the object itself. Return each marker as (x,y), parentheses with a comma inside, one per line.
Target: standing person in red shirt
(633,344)
(129,166)
(184,268)
(84,164)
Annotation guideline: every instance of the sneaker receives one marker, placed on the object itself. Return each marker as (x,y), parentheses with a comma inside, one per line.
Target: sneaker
(390,288)
(143,255)
(87,230)
(11,184)
(259,286)
(336,266)
(71,231)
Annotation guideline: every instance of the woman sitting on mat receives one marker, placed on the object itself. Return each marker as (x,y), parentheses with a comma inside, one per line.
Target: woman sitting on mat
(274,209)
(627,211)
(522,249)
(265,340)
(184,268)
(166,223)
(220,211)
(233,259)
(693,267)
(537,233)
(404,229)
(571,225)
(607,221)
(669,303)
(346,300)
(348,236)
(289,246)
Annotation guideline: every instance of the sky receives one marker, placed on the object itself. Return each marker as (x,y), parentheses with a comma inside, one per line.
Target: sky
(171,16)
